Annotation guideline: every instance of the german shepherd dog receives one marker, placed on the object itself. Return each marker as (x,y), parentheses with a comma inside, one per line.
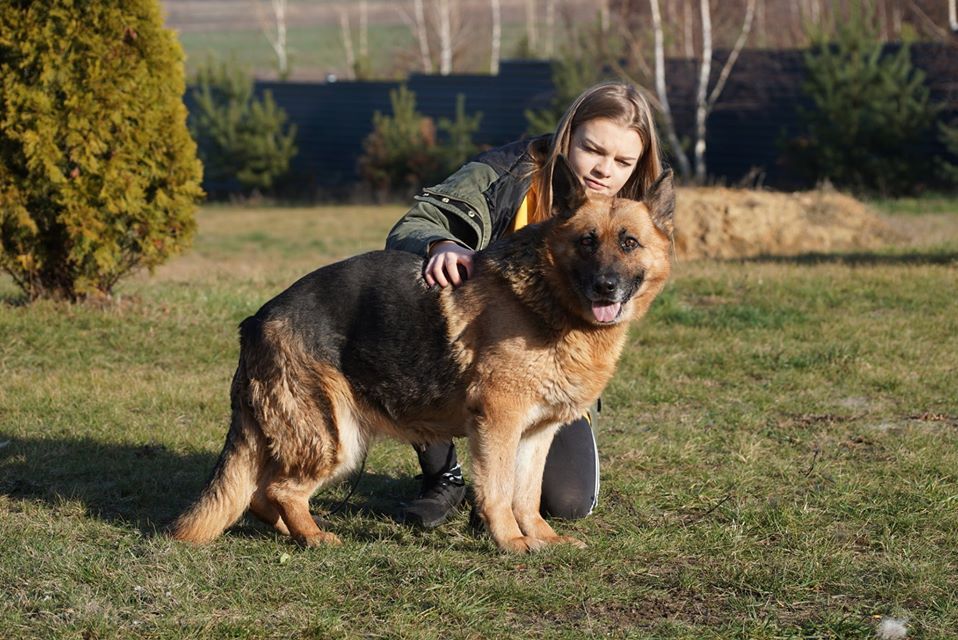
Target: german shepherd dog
(363,347)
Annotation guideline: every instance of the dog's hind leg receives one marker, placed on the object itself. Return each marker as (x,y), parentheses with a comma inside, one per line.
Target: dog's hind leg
(531,457)
(261,507)
(288,495)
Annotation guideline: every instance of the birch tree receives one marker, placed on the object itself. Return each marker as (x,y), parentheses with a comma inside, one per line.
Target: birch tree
(704,99)
(531,34)
(496,7)
(952,16)
(444,19)
(275,31)
(420,30)
(347,36)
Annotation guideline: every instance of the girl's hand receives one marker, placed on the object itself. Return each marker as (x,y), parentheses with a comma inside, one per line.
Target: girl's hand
(445,258)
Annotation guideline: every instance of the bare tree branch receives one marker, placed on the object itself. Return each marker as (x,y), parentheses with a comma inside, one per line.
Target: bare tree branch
(733,56)
(660,89)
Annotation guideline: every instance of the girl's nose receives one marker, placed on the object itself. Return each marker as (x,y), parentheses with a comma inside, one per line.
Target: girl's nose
(604,167)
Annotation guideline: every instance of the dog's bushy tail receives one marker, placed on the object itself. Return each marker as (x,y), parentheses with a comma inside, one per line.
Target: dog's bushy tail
(228,493)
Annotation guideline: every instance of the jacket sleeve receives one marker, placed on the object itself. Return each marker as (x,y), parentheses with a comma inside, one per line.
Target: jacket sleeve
(454,210)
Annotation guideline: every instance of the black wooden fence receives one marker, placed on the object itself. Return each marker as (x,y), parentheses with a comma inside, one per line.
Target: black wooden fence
(756,112)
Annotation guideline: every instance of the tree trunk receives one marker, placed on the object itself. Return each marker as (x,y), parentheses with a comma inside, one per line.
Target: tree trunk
(701,95)
(347,36)
(660,90)
(364,31)
(531,25)
(496,36)
(550,28)
(423,36)
(445,37)
(275,31)
(952,16)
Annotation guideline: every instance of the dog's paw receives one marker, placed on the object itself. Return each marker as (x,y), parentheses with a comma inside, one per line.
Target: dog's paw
(575,542)
(521,544)
(320,539)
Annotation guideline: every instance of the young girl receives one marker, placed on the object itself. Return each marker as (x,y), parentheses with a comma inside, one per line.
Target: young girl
(608,135)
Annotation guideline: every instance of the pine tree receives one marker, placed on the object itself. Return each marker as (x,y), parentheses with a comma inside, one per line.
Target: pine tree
(948,166)
(871,113)
(458,146)
(240,137)
(98,173)
(403,152)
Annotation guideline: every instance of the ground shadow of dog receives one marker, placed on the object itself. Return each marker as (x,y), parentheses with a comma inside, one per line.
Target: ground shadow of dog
(145,486)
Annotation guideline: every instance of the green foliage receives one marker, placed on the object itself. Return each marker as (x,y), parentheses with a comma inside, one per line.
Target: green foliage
(98,173)
(948,167)
(580,65)
(871,112)
(403,152)
(456,146)
(239,136)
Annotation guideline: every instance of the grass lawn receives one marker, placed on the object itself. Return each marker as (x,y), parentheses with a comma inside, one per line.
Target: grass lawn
(779,456)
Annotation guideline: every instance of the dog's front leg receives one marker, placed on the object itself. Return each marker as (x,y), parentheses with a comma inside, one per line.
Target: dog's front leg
(530,466)
(493,442)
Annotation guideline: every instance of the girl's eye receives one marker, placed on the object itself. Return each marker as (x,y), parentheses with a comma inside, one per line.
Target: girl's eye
(623,163)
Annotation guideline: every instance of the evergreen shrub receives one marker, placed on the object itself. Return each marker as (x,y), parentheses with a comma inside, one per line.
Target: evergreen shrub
(240,137)
(870,117)
(404,151)
(98,173)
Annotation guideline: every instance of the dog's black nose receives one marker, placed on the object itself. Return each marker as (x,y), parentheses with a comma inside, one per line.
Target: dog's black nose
(605,285)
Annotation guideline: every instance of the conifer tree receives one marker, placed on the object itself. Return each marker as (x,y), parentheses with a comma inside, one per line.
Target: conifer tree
(98,173)
(948,164)
(871,113)
(240,136)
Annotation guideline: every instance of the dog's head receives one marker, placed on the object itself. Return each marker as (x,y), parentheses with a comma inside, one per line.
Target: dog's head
(613,253)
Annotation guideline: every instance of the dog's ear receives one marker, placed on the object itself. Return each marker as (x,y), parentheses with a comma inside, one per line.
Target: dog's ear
(568,194)
(660,199)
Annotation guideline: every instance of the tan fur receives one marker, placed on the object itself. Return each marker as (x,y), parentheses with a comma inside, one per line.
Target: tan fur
(297,422)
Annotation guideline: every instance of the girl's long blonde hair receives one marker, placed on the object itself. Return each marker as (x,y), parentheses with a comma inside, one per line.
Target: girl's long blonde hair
(623,104)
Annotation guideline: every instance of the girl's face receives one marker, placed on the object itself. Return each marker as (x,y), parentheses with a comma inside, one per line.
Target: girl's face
(603,154)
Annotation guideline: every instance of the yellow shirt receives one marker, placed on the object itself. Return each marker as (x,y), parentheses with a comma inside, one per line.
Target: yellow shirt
(522,215)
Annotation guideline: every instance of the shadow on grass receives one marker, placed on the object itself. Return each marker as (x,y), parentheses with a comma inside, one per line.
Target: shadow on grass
(866,259)
(146,486)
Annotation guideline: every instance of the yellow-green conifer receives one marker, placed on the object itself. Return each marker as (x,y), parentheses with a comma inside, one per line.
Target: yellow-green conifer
(98,173)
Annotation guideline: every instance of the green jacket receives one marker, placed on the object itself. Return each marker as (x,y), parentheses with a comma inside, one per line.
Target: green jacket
(474,206)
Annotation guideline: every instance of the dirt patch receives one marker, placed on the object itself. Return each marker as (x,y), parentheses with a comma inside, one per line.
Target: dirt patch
(716,222)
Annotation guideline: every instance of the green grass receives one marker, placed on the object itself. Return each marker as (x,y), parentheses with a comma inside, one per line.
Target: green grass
(779,459)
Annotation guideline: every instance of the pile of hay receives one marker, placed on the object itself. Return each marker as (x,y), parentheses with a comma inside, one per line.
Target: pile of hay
(716,222)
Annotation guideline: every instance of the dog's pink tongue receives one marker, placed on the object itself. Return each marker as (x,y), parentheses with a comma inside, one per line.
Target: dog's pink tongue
(606,312)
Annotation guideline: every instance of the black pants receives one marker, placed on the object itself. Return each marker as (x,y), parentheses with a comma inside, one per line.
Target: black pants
(570,482)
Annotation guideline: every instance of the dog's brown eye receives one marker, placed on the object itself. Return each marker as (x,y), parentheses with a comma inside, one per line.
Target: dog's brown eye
(587,241)
(629,244)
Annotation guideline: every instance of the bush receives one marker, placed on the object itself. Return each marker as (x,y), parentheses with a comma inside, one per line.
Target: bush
(98,173)
(948,164)
(403,152)
(871,114)
(240,137)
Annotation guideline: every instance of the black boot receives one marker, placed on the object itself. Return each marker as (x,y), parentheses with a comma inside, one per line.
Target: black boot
(443,487)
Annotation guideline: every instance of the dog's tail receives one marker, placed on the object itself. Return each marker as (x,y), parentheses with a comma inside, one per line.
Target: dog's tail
(228,493)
